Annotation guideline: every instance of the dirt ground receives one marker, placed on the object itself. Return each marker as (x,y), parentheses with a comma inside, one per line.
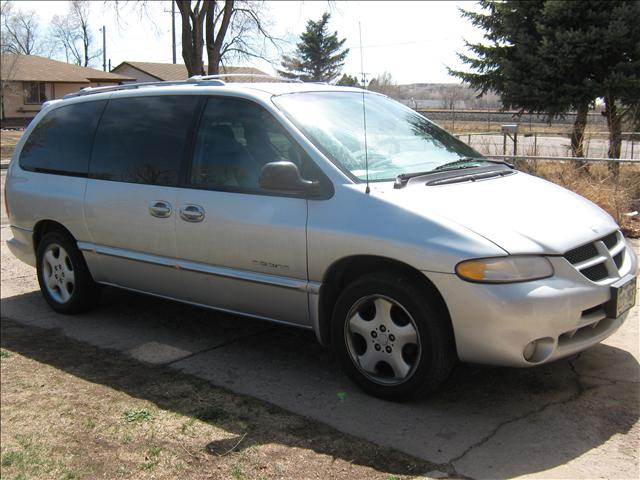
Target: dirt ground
(59,421)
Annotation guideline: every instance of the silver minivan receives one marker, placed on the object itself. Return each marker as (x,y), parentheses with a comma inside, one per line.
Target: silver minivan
(400,246)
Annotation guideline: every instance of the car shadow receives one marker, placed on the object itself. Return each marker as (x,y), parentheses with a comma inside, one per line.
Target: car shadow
(483,422)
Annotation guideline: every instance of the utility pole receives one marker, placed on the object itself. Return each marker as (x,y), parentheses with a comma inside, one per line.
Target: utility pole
(173,29)
(104,48)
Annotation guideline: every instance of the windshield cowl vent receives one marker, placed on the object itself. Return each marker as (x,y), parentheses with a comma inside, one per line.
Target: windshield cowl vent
(469,178)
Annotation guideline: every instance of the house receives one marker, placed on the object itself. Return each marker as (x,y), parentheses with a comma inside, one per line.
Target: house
(28,81)
(153,72)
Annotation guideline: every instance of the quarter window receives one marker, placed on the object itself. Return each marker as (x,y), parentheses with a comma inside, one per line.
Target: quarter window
(61,141)
(143,139)
(235,139)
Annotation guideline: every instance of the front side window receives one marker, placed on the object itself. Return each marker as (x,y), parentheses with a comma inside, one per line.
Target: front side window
(35,93)
(143,139)
(235,139)
(398,141)
(61,141)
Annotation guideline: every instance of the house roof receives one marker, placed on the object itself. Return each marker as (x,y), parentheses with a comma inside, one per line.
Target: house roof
(31,68)
(178,71)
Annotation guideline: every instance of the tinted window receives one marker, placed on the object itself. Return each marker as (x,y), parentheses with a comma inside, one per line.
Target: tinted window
(61,142)
(143,139)
(235,140)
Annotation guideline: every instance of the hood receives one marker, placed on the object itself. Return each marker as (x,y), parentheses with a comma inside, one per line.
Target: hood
(519,213)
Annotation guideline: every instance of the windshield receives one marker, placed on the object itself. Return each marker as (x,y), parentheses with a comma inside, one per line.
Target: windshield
(399,140)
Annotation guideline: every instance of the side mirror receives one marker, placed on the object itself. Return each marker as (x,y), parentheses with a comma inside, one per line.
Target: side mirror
(285,177)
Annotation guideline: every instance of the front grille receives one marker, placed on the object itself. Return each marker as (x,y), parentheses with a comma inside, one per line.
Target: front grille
(611,240)
(619,259)
(595,273)
(580,254)
(599,260)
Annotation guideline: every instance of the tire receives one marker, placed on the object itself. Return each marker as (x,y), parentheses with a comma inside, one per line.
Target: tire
(63,276)
(390,339)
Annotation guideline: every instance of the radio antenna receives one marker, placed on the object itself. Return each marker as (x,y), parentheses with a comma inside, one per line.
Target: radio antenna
(364,113)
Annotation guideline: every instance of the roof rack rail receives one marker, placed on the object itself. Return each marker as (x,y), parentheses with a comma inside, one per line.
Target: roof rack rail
(252,75)
(135,85)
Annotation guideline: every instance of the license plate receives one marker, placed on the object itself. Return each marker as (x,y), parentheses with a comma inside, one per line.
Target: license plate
(623,296)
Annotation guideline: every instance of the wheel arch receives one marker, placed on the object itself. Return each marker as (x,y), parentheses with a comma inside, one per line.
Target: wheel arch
(43,227)
(347,269)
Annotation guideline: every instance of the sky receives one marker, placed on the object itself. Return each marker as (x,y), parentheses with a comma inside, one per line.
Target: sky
(414,41)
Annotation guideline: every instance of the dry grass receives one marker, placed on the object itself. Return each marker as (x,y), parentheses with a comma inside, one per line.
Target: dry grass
(8,141)
(72,411)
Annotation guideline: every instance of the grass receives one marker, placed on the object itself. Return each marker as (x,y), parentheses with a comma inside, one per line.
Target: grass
(32,459)
(71,410)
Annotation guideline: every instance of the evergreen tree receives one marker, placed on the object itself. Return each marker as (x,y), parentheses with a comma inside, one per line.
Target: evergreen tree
(542,56)
(319,56)
(348,81)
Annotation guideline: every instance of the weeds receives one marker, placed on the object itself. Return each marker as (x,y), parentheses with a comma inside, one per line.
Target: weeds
(137,415)
(187,427)
(236,471)
(5,353)
(152,459)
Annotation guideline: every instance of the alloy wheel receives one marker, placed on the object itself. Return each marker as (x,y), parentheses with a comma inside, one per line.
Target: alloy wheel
(382,340)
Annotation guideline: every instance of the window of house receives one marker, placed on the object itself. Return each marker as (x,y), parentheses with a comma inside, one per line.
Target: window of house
(36,93)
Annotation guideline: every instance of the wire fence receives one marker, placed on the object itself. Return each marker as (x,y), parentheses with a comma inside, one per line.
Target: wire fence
(550,144)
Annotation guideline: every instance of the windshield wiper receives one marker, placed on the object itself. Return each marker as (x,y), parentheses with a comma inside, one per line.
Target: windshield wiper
(461,162)
(403,178)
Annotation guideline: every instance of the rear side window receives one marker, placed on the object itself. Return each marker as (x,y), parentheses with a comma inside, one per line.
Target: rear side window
(61,142)
(143,139)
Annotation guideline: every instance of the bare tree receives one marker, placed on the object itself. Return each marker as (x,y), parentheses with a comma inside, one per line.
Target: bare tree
(224,29)
(73,33)
(7,84)
(20,31)
(228,28)
(384,84)
(246,35)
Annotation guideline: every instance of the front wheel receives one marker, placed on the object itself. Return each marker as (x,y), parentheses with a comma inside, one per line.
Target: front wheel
(390,338)
(65,281)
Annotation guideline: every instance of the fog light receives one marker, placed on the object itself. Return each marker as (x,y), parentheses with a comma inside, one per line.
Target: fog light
(529,350)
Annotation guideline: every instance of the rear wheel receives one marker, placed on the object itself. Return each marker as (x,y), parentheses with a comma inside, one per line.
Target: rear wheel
(390,338)
(65,281)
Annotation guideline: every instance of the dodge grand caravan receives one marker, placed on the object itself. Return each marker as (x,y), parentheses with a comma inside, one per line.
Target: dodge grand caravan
(398,245)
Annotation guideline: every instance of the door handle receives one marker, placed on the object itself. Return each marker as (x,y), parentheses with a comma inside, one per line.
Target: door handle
(192,213)
(160,209)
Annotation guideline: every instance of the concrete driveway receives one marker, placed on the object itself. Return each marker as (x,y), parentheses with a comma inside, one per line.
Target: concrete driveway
(572,419)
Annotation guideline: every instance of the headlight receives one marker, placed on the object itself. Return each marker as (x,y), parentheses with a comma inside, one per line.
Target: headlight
(505,269)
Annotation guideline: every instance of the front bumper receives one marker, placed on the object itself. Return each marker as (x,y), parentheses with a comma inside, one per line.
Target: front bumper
(565,314)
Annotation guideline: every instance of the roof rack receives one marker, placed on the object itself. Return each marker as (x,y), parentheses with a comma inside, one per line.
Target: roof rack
(133,86)
(252,75)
